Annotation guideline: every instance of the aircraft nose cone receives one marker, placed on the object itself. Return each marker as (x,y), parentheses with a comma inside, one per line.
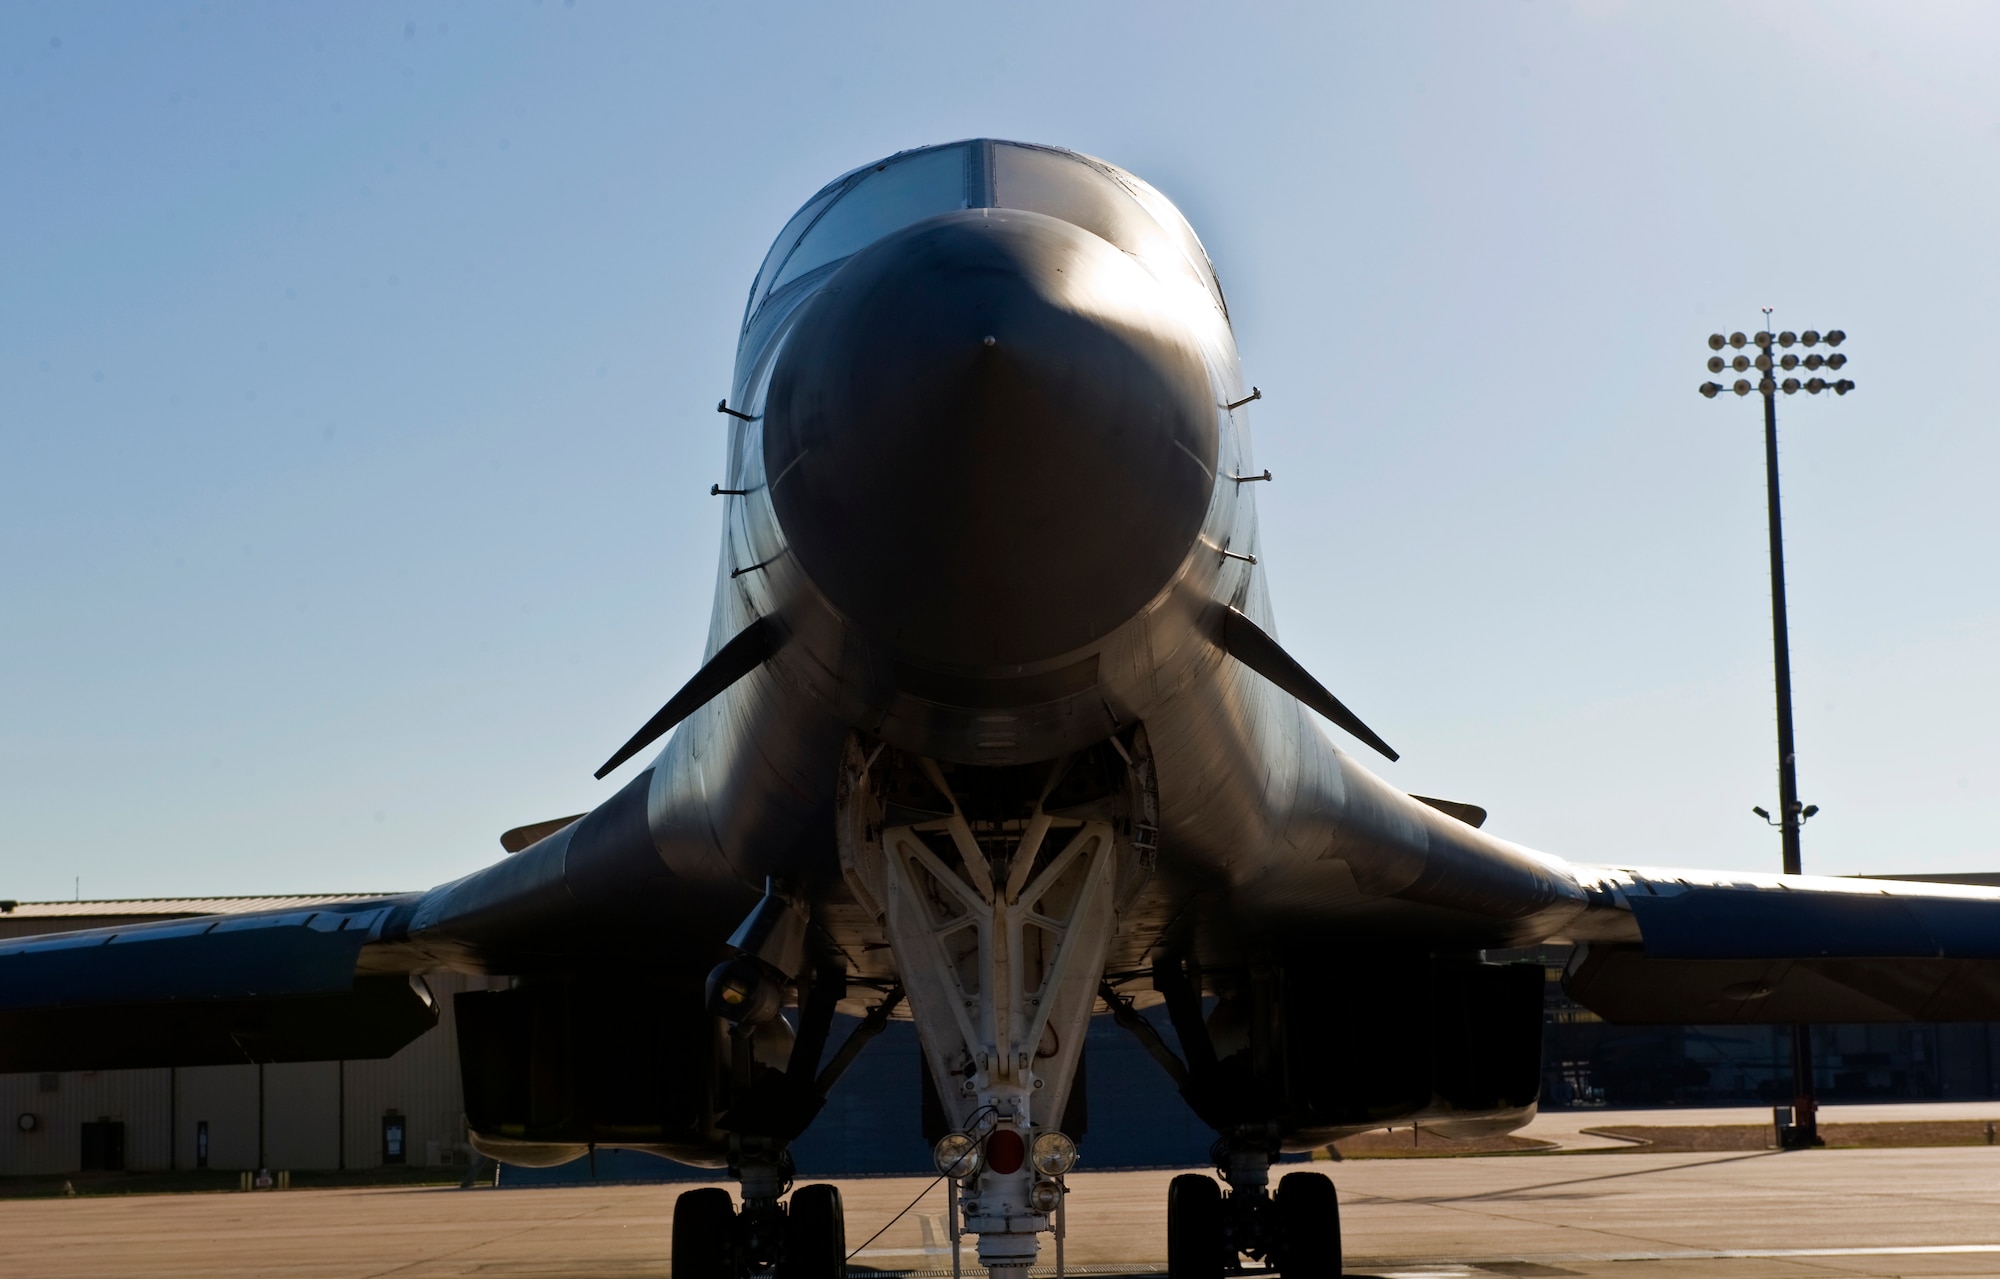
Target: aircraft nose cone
(988,441)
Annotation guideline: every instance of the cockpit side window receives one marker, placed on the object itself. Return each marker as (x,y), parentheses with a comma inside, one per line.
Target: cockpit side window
(781,248)
(1175,225)
(897,193)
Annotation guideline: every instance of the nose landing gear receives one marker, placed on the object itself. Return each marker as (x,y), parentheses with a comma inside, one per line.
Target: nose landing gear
(999,890)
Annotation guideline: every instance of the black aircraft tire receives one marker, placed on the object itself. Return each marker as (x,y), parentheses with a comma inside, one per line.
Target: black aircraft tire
(705,1235)
(1194,1228)
(815,1235)
(1308,1227)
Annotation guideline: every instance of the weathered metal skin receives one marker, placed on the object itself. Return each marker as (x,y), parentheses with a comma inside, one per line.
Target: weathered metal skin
(1273,830)
(1260,813)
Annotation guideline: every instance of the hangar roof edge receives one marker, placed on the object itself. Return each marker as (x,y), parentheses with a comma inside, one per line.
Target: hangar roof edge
(173,906)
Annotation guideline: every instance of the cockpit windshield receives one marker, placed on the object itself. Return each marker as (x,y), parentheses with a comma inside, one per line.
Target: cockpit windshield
(871,202)
(1103,200)
(863,207)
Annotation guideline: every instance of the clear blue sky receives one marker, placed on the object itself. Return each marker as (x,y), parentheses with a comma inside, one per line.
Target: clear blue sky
(357,366)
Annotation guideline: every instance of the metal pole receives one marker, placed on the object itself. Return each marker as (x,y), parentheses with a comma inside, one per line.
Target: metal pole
(951,1216)
(1062,1222)
(1805,1106)
(1788,781)
(340,1130)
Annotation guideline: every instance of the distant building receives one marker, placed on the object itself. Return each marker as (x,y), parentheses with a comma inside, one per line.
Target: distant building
(355,1114)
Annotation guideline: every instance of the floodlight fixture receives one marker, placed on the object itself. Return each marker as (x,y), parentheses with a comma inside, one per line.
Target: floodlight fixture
(1765,359)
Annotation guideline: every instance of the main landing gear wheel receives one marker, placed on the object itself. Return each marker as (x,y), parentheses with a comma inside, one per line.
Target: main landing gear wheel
(815,1235)
(1194,1228)
(704,1235)
(1308,1214)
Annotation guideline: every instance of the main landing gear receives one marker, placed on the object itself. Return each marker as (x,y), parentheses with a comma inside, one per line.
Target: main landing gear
(775,1085)
(805,1239)
(1297,1230)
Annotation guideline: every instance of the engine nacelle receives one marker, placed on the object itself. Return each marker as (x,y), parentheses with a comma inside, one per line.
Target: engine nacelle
(1318,1049)
(555,1066)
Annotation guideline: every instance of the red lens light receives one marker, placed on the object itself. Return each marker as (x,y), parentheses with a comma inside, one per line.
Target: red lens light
(1005,1150)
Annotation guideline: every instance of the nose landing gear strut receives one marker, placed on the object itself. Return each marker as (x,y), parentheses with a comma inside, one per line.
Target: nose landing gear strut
(999,891)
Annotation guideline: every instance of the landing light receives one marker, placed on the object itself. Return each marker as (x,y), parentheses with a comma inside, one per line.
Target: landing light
(957,1156)
(1053,1154)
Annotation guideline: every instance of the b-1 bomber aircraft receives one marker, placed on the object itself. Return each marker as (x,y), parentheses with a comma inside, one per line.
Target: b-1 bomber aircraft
(995,732)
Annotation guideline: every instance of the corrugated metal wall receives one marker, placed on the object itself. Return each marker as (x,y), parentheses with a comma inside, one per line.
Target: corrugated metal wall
(302,1105)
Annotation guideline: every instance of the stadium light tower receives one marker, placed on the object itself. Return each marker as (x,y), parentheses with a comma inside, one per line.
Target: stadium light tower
(1774,356)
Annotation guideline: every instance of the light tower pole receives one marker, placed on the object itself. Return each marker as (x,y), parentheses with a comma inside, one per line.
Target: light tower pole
(1792,815)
